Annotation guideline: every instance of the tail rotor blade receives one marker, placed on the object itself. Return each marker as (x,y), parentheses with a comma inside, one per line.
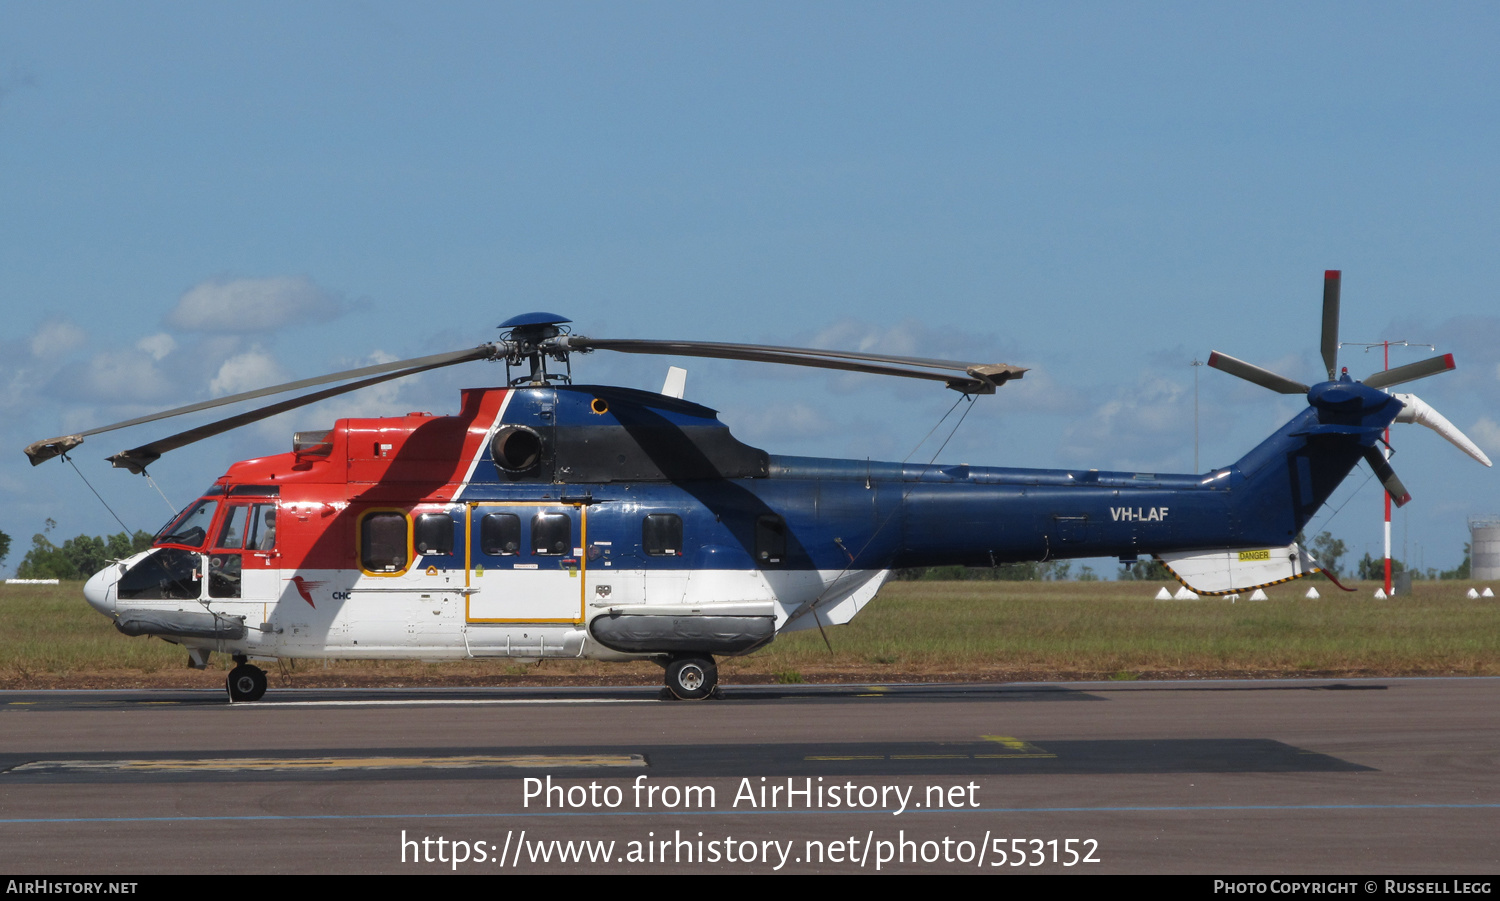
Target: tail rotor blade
(1252,373)
(1331,281)
(1411,371)
(1387,475)
(1414,409)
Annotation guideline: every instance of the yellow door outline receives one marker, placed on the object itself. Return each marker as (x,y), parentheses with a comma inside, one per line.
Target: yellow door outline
(583,557)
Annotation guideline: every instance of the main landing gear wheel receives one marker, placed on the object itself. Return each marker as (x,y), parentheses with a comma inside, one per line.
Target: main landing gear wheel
(246,683)
(692,678)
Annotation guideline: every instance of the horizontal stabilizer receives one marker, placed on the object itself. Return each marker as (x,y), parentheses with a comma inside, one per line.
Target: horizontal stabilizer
(1239,569)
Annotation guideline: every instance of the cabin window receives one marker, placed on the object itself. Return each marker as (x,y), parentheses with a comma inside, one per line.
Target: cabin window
(434,534)
(661,535)
(383,542)
(551,534)
(500,534)
(770,540)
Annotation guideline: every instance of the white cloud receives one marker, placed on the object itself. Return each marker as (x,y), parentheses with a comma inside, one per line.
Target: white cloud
(245,372)
(122,376)
(906,339)
(1486,434)
(56,337)
(158,345)
(855,335)
(1148,426)
(1038,391)
(30,363)
(245,305)
(391,398)
(766,426)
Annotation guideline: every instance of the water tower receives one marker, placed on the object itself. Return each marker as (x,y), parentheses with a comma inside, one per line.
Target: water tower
(1484,547)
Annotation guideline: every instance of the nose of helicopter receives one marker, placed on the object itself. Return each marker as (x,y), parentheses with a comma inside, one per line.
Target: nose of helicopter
(99,590)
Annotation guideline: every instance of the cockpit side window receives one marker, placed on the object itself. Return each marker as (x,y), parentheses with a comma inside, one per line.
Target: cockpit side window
(224,575)
(171,574)
(262,527)
(248,527)
(191,528)
(232,532)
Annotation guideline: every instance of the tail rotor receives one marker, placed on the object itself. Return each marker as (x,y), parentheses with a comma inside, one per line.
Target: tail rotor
(1343,401)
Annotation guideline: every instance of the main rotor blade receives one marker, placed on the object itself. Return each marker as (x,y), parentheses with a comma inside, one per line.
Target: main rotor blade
(138,458)
(1331,281)
(45,450)
(977,378)
(1387,476)
(1252,373)
(1411,371)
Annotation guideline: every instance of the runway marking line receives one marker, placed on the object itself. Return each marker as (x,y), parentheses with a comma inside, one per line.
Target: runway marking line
(1021,750)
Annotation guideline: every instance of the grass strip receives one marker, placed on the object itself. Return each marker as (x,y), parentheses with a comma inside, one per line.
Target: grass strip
(947,630)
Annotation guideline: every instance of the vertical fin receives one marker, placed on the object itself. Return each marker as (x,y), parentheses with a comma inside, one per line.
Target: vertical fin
(676,382)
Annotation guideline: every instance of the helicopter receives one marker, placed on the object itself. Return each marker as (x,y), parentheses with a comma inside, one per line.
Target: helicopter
(547,519)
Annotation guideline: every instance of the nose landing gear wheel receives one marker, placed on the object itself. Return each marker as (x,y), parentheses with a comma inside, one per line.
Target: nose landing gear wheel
(246,683)
(692,678)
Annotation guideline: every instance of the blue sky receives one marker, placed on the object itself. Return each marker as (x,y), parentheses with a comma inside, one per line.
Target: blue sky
(196,198)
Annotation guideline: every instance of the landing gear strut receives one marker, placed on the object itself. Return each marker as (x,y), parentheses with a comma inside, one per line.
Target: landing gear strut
(692,678)
(246,681)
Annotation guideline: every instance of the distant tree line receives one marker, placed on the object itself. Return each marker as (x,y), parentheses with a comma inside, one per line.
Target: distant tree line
(76,558)
(1373,569)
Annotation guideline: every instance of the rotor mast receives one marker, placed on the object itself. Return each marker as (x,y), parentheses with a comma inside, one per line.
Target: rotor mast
(529,339)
